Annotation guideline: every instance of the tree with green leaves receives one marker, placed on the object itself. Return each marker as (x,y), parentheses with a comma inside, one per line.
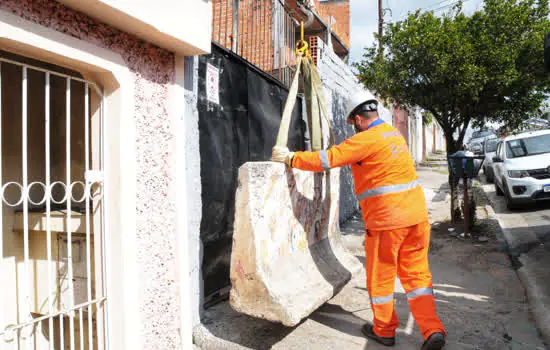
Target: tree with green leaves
(486,67)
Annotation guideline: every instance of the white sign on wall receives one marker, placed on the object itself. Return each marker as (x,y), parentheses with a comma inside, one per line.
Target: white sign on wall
(212,84)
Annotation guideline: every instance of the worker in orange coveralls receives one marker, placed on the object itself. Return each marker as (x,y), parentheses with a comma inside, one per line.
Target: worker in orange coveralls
(395,215)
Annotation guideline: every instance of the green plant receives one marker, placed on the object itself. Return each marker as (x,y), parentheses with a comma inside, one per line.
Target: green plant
(462,69)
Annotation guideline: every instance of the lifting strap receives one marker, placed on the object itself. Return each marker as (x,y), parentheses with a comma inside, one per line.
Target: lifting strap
(314,95)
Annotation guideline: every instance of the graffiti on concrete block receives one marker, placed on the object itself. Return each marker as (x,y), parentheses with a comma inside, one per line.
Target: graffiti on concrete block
(301,209)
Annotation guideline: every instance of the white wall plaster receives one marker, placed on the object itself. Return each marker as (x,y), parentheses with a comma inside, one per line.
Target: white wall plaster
(194,207)
(429,132)
(146,293)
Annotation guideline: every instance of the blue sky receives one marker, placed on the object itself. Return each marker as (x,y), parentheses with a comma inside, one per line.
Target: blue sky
(364,17)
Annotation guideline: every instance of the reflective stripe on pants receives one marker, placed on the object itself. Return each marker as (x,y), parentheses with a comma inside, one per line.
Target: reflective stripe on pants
(402,252)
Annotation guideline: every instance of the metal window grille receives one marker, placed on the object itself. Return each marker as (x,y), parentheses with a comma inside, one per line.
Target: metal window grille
(53,293)
(188,69)
(261,31)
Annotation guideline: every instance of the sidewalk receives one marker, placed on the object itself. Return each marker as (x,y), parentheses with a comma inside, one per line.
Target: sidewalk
(479,297)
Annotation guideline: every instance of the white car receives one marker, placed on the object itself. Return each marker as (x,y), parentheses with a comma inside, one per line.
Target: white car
(477,140)
(489,151)
(522,168)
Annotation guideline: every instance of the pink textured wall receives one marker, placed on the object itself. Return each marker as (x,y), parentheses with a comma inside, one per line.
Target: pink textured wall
(153,69)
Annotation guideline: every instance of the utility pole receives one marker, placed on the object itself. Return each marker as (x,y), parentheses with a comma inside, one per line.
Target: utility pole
(380,25)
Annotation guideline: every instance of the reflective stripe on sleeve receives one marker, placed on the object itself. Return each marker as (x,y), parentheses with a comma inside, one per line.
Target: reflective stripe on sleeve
(324,160)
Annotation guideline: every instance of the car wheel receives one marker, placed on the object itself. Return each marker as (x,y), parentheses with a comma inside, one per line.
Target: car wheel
(489,175)
(498,190)
(510,203)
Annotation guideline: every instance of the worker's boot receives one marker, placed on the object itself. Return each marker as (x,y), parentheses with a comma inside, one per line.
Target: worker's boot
(435,341)
(369,333)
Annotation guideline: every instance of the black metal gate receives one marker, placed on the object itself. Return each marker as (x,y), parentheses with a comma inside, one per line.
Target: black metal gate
(241,128)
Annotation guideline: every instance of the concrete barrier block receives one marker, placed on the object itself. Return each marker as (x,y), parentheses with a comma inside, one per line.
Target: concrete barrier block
(287,257)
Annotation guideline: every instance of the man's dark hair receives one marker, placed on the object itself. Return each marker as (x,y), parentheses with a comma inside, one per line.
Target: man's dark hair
(365,114)
(365,108)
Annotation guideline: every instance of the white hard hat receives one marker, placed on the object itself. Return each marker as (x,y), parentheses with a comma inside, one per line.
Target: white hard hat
(358,99)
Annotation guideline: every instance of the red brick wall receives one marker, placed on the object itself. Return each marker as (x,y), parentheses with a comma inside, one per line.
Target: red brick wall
(255,39)
(340,10)
(313,48)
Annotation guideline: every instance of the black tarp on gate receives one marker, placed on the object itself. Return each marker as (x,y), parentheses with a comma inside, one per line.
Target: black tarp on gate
(242,128)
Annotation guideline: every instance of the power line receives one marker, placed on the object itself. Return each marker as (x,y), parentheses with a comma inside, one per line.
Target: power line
(437,9)
(427,8)
(449,5)
(445,7)
(380,24)
(387,9)
(431,6)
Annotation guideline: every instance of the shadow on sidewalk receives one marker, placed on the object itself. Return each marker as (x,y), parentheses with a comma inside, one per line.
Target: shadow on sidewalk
(242,329)
(335,317)
(442,193)
(353,225)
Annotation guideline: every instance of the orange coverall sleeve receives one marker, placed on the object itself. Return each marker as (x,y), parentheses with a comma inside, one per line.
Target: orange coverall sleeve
(352,150)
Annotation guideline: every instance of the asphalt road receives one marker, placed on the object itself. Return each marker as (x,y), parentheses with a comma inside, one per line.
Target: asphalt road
(526,221)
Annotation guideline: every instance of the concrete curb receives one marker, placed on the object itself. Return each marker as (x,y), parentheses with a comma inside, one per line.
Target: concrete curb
(532,275)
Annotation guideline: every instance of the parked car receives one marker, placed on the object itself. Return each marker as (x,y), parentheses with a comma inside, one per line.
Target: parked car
(522,168)
(490,151)
(475,144)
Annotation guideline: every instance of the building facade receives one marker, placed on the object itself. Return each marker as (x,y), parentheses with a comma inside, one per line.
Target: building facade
(100,154)
(94,232)
(265,32)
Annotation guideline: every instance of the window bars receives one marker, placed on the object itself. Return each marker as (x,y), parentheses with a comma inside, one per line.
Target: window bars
(52,217)
(261,31)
